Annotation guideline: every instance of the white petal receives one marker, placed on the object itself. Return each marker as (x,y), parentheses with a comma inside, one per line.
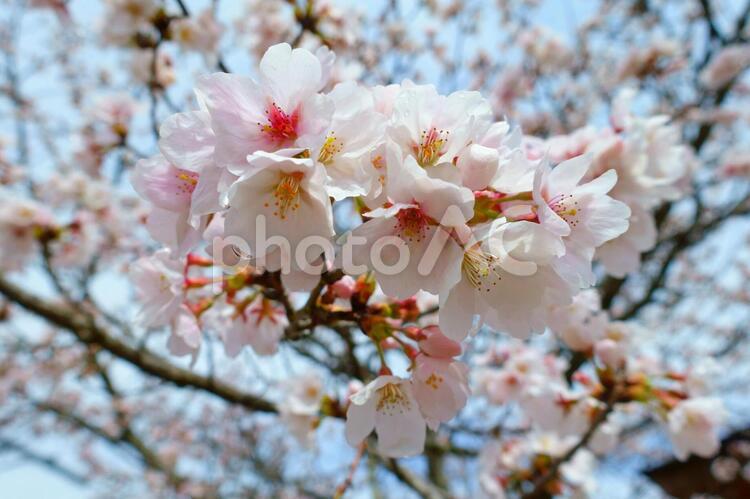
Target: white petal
(360,421)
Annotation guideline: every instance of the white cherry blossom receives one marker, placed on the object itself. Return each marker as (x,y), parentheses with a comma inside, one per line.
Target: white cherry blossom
(387,405)
(693,426)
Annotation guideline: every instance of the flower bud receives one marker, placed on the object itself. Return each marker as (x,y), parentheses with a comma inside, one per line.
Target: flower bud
(438,345)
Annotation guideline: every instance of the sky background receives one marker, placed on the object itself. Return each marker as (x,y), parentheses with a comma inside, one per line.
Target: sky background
(21,480)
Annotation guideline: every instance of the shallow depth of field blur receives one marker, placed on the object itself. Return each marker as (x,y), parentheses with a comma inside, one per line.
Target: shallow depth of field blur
(103,408)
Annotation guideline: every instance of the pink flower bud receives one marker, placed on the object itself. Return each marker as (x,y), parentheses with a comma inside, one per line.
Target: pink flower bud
(438,345)
(344,287)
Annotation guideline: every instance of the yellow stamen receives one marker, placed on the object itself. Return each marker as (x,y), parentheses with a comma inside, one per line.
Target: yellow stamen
(392,399)
(331,147)
(431,146)
(286,193)
(434,381)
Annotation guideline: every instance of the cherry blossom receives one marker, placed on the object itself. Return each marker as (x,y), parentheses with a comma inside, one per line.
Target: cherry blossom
(725,65)
(506,277)
(300,408)
(437,222)
(158,281)
(582,214)
(419,221)
(288,193)
(259,325)
(355,130)
(200,33)
(282,109)
(693,426)
(21,221)
(388,405)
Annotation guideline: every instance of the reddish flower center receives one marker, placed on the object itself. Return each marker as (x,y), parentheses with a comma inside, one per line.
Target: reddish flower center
(280,127)
(411,223)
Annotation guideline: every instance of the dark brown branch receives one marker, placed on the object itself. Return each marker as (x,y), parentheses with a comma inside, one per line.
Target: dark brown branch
(708,15)
(80,325)
(679,243)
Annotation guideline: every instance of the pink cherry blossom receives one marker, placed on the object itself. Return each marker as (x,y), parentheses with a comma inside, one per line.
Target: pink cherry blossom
(260,325)
(282,109)
(441,388)
(158,283)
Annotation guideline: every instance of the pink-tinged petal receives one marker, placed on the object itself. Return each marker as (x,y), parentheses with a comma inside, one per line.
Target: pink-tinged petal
(439,345)
(389,211)
(446,203)
(157,280)
(266,336)
(174,230)
(478,166)
(399,424)
(288,195)
(575,266)
(427,259)
(457,311)
(439,388)
(603,220)
(162,184)
(291,74)
(619,257)
(547,217)
(235,337)
(237,108)
(297,279)
(187,140)
(206,197)
(186,334)
(600,185)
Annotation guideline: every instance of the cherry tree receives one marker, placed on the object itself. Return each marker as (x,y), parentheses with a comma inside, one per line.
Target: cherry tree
(310,248)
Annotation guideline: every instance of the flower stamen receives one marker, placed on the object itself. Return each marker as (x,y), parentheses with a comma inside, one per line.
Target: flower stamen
(479,269)
(430,147)
(392,399)
(412,224)
(286,194)
(566,207)
(281,127)
(331,147)
(187,181)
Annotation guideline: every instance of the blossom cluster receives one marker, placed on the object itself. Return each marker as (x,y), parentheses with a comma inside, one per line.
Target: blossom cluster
(557,406)
(502,228)
(653,166)
(335,258)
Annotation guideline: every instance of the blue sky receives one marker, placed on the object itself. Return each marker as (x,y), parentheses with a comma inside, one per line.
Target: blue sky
(24,480)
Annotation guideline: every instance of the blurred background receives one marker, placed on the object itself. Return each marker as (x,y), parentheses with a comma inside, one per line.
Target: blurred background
(84,85)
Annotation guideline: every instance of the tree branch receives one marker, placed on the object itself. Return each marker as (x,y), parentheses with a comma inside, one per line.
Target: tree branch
(91,334)
(541,483)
